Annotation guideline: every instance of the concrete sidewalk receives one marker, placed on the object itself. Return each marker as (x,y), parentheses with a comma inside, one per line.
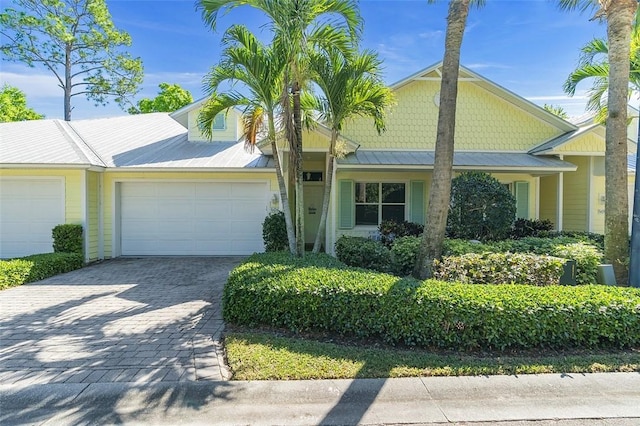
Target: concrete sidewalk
(569,399)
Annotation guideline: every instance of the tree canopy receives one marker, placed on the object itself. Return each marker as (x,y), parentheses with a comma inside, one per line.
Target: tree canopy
(13,106)
(171,97)
(556,110)
(77,42)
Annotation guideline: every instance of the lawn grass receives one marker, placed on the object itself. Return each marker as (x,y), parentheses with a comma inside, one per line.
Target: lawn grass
(265,355)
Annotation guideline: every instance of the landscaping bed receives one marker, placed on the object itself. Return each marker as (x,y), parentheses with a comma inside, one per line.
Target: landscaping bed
(319,293)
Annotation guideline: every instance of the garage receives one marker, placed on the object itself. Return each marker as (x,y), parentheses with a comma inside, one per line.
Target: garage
(192,218)
(29,209)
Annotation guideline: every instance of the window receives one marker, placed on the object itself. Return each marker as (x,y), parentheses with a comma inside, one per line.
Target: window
(376,202)
(219,122)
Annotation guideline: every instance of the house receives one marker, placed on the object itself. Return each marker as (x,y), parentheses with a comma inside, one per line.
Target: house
(151,184)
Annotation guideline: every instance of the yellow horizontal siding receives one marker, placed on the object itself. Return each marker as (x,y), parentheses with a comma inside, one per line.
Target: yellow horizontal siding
(93,220)
(549,198)
(576,196)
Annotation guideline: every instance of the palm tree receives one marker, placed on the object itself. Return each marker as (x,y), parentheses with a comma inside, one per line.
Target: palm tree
(351,86)
(298,26)
(594,65)
(619,15)
(440,191)
(260,70)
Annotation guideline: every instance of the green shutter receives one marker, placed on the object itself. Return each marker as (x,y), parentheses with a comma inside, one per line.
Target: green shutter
(417,207)
(346,204)
(522,200)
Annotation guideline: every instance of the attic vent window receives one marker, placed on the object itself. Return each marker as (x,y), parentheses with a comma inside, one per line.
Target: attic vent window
(219,123)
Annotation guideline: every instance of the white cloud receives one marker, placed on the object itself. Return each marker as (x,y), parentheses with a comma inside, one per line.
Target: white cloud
(487,65)
(557,98)
(34,83)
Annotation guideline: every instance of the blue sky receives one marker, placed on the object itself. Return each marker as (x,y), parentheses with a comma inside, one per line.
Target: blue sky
(527,46)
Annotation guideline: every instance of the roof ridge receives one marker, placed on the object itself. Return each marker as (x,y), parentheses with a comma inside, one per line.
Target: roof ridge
(80,144)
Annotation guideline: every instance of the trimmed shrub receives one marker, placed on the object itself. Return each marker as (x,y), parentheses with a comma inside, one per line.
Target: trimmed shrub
(403,255)
(363,253)
(530,228)
(317,293)
(587,259)
(37,267)
(67,238)
(454,247)
(578,236)
(481,208)
(274,232)
(390,230)
(500,268)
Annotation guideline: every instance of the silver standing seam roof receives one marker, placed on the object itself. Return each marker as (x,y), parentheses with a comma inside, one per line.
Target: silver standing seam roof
(136,141)
(461,160)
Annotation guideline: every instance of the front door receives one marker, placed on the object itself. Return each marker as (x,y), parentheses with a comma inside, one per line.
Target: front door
(313,192)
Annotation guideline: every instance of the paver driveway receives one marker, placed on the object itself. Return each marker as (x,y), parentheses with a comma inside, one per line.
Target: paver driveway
(142,320)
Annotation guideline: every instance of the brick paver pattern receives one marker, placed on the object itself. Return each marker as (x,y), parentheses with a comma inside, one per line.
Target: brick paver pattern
(140,320)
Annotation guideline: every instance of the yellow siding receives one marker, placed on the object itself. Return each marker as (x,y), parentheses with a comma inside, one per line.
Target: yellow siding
(483,122)
(110,179)
(576,196)
(230,134)
(72,188)
(589,142)
(93,220)
(549,198)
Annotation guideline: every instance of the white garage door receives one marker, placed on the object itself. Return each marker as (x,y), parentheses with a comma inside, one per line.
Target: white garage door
(204,218)
(29,209)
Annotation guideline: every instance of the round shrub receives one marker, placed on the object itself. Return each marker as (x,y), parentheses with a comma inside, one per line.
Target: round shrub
(481,208)
(390,230)
(274,232)
(404,253)
(363,253)
(67,238)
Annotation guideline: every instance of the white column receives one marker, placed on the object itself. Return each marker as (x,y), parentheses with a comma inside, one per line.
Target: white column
(559,202)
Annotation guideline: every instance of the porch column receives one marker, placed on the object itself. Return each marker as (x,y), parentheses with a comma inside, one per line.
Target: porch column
(559,201)
(537,212)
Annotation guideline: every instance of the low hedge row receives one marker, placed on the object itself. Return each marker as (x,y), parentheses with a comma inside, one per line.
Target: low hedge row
(318,293)
(36,267)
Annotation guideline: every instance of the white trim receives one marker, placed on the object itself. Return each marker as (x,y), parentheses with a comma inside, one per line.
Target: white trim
(537,195)
(590,197)
(560,200)
(503,169)
(44,166)
(460,79)
(100,216)
(84,212)
(194,169)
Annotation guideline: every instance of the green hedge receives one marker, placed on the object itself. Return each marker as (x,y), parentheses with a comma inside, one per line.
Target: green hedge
(500,268)
(36,267)
(318,293)
(67,238)
(363,253)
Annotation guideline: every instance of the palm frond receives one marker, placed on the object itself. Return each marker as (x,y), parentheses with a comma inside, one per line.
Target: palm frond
(252,125)
(217,104)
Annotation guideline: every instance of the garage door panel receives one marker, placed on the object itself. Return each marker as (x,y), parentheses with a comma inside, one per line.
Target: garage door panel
(29,209)
(218,191)
(192,218)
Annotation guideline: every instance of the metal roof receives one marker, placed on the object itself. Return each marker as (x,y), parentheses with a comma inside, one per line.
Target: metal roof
(461,160)
(146,141)
(43,142)
(563,139)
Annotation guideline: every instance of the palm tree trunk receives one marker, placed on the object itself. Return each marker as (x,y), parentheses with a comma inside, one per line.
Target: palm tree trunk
(328,181)
(620,15)
(284,198)
(440,191)
(67,83)
(297,124)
